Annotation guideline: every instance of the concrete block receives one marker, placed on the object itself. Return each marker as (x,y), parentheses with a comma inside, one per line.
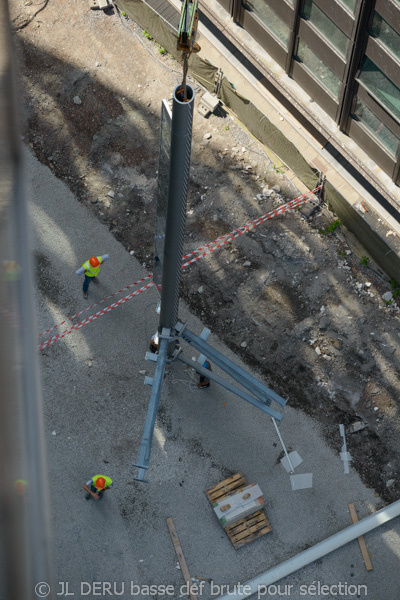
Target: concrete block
(233,501)
(210,101)
(242,511)
(309,208)
(93,5)
(103,4)
(237,506)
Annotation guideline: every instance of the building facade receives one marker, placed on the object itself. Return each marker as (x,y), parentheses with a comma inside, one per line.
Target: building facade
(346,55)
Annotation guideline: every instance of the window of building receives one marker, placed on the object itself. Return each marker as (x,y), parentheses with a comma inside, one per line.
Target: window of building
(380,86)
(350,4)
(318,69)
(375,126)
(385,34)
(327,28)
(269,19)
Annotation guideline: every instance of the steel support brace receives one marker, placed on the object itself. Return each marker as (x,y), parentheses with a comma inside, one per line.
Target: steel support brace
(254,386)
(147,437)
(260,584)
(229,386)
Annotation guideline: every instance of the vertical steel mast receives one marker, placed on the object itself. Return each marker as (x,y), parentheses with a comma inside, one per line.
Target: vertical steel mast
(180,148)
(181,139)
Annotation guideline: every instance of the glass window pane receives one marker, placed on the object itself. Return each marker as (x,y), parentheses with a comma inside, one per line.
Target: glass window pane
(268,18)
(326,27)
(386,35)
(350,4)
(318,69)
(375,126)
(380,86)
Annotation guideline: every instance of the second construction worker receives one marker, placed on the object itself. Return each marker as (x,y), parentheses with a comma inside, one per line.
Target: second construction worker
(91,269)
(96,486)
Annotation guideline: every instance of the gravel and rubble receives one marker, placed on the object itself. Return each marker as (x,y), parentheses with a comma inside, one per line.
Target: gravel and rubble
(292,300)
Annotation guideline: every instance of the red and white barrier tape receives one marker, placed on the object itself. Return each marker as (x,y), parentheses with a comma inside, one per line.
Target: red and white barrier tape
(273,213)
(96,304)
(93,317)
(208,249)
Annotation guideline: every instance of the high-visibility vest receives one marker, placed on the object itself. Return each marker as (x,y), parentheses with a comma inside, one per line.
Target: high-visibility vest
(92,271)
(108,480)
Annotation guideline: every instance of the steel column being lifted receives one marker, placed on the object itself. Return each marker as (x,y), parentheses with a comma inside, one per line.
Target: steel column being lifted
(181,138)
(260,584)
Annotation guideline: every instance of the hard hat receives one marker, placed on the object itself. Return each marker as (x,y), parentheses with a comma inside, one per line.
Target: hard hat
(94,261)
(100,483)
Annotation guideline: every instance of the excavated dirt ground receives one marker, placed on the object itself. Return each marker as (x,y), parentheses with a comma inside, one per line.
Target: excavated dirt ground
(294,303)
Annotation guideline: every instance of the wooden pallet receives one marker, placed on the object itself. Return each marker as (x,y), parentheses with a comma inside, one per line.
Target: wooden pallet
(247,529)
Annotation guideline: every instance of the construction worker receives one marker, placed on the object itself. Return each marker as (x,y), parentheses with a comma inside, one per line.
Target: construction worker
(98,484)
(91,269)
(204,381)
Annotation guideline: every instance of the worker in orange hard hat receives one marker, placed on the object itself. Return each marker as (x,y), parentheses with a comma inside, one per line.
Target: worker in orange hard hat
(97,486)
(91,269)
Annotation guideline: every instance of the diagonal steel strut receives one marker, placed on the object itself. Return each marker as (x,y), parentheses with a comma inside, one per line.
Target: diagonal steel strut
(229,386)
(147,436)
(261,391)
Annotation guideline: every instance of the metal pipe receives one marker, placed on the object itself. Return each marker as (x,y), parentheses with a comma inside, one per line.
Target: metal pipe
(312,554)
(181,138)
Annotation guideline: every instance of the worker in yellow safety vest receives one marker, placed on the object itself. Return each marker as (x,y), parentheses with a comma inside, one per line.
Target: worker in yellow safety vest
(91,269)
(96,486)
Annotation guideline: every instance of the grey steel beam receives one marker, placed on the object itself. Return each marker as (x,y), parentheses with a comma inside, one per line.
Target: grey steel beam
(236,372)
(148,431)
(230,387)
(181,138)
(260,584)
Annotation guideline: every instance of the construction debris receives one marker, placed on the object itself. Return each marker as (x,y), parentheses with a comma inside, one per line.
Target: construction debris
(301,481)
(344,455)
